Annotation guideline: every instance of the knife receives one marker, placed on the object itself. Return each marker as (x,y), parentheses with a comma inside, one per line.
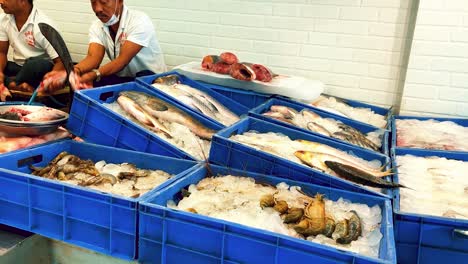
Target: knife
(57,42)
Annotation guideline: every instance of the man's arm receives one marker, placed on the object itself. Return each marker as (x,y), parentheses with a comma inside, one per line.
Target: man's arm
(58,65)
(4,45)
(127,52)
(92,60)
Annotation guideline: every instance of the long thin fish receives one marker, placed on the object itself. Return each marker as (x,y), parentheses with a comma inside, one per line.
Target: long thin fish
(359,176)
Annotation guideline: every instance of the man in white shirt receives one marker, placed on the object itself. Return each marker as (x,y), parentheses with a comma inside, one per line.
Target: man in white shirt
(33,56)
(129,40)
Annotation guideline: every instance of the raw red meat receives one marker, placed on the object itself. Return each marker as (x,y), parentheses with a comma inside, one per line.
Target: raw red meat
(229,58)
(209,60)
(262,73)
(221,67)
(242,71)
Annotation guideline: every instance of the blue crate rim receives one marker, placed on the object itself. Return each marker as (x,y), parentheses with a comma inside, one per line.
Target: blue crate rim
(422,217)
(441,119)
(281,101)
(219,138)
(81,188)
(382,202)
(344,117)
(171,98)
(139,127)
(123,120)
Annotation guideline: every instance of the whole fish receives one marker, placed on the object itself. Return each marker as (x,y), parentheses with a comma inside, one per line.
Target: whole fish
(40,115)
(317,160)
(341,156)
(356,175)
(128,103)
(165,111)
(198,101)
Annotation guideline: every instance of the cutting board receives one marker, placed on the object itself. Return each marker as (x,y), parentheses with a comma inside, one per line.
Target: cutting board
(289,86)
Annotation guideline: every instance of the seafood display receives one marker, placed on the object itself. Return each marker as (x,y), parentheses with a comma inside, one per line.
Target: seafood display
(337,106)
(439,186)
(286,210)
(168,122)
(122,179)
(320,157)
(431,134)
(228,63)
(8,144)
(195,99)
(31,114)
(309,120)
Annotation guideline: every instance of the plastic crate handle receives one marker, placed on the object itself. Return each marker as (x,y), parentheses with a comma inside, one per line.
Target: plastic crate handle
(462,234)
(106,95)
(29,160)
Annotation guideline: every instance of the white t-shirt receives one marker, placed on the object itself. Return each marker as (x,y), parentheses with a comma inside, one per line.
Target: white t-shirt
(29,41)
(135,26)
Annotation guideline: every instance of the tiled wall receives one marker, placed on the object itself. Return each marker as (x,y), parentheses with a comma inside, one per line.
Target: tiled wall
(359,48)
(354,46)
(437,77)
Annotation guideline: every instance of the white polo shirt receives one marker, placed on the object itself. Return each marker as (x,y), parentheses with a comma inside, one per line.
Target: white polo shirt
(135,26)
(28,41)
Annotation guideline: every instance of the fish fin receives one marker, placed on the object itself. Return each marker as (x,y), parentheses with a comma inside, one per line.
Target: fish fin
(385,165)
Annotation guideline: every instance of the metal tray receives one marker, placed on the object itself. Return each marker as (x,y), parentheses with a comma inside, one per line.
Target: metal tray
(11,128)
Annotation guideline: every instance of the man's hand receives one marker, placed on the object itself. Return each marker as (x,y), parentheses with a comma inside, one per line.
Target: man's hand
(4,92)
(53,81)
(78,82)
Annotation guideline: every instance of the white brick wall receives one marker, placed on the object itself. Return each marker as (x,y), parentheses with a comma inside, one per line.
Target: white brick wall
(357,47)
(437,77)
(354,46)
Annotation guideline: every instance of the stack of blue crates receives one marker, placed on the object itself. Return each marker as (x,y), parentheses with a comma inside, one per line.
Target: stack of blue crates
(147,230)
(424,238)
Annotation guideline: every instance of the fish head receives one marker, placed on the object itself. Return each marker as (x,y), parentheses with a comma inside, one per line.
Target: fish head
(168,80)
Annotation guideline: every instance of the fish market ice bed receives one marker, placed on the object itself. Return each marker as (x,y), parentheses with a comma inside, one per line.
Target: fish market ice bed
(291,86)
(226,151)
(89,218)
(309,119)
(435,134)
(181,89)
(355,110)
(166,234)
(96,117)
(431,225)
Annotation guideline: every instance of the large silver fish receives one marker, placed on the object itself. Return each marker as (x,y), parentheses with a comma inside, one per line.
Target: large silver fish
(196,99)
(134,109)
(164,111)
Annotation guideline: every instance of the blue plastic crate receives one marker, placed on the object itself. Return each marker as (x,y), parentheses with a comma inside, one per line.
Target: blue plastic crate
(172,236)
(364,128)
(460,121)
(228,153)
(247,98)
(102,222)
(95,123)
(232,105)
(424,238)
(377,109)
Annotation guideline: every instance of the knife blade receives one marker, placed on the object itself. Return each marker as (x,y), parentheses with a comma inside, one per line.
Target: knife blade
(57,42)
